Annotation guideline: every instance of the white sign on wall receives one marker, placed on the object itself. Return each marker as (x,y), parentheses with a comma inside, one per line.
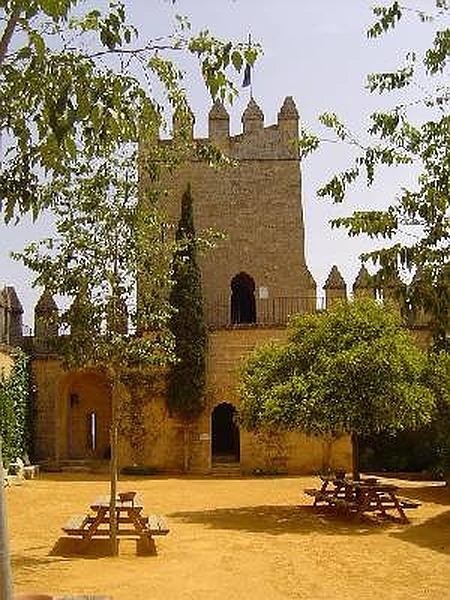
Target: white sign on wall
(263,293)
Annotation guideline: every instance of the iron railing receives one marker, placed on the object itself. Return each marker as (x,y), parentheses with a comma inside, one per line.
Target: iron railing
(266,311)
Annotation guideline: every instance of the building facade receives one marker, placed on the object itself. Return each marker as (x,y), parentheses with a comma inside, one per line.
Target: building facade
(252,281)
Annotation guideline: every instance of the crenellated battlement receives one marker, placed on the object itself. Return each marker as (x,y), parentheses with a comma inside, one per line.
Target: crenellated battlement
(256,141)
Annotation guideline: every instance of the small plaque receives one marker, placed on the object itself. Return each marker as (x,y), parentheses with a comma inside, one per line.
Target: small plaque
(204,437)
(263,293)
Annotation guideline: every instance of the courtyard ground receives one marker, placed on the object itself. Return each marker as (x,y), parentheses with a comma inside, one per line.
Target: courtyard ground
(237,539)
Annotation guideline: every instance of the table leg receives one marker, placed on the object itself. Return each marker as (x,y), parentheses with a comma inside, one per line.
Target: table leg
(395,500)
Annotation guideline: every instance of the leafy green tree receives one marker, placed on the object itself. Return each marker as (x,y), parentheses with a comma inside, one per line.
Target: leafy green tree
(106,239)
(69,83)
(68,119)
(414,133)
(354,370)
(187,378)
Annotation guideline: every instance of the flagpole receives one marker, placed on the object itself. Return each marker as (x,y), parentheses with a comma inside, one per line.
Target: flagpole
(251,79)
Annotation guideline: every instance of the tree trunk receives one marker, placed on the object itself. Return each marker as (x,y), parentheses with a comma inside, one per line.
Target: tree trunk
(5,564)
(9,30)
(113,465)
(355,456)
(185,448)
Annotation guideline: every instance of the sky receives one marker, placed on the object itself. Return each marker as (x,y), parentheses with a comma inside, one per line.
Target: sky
(314,50)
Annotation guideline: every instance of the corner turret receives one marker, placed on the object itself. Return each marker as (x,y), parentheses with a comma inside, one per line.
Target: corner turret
(14,325)
(252,117)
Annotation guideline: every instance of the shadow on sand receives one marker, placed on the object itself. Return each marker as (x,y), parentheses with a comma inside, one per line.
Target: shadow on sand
(436,494)
(433,534)
(278,520)
(96,548)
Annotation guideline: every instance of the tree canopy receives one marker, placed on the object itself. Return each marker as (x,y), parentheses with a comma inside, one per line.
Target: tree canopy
(70,84)
(351,370)
(415,133)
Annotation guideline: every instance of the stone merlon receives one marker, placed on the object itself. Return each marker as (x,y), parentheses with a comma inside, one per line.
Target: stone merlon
(288,111)
(219,121)
(335,281)
(252,117)
(363,280)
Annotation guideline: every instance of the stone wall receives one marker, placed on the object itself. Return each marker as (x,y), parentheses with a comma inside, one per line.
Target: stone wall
(151,437)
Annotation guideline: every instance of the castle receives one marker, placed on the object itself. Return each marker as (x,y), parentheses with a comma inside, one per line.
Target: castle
(252,282)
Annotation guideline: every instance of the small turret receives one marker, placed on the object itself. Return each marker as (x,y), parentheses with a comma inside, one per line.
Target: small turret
(288,117)
(335,288)
(45,317)
(363,285)
(252,117)
(219,122)
(183,122)
(15,326)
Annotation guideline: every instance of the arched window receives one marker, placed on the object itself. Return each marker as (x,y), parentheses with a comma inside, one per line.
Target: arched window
(243,305)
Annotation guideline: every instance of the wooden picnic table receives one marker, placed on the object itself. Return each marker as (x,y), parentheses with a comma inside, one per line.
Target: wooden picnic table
(360,497)
(131,521)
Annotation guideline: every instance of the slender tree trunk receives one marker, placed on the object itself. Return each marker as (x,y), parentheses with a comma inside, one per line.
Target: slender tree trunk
(5,564)
(185,448)
(355,456)
(9,30)
(114,465)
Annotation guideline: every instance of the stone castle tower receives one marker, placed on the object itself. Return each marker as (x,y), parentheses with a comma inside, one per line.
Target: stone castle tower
(258,274)
(252,281)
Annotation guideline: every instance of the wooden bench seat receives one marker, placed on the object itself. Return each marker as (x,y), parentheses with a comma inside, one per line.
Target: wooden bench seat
(76,524)
(407,503)
(156,525)
(312,492)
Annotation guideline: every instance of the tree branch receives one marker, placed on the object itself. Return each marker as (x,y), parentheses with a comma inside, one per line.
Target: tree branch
(9,30)
(134,51)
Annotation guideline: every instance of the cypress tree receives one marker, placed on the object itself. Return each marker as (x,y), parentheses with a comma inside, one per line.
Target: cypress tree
(187,377)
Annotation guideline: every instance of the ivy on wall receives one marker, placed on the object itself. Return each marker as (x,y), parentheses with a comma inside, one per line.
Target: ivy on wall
(15,409)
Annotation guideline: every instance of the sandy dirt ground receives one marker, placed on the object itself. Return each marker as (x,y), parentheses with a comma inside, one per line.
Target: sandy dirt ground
(233,539)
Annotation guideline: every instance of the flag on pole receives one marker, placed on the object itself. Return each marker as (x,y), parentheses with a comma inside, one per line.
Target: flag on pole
(248,68)
(247,76)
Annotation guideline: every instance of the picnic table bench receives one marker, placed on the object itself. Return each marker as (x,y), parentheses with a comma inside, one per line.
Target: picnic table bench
(359,497)
(131,522)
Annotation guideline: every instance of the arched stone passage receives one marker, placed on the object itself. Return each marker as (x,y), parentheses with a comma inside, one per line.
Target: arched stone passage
(225,434)
(243,304)
(88,416)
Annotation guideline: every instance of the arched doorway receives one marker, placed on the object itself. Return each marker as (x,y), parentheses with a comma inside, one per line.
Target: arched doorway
(225,434)
(243,304)
(89,416)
